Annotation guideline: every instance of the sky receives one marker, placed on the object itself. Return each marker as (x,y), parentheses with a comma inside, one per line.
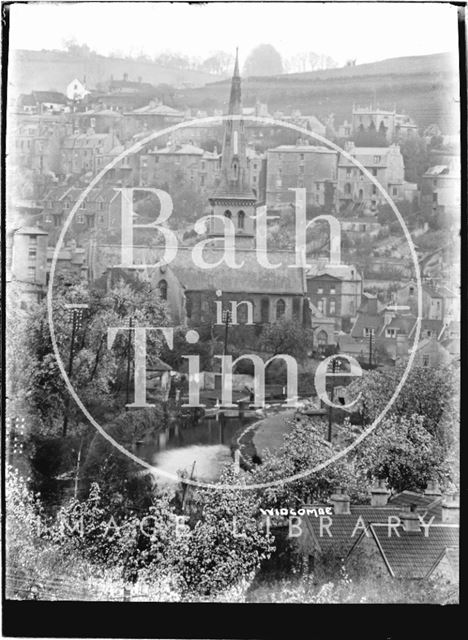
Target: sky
(365,31)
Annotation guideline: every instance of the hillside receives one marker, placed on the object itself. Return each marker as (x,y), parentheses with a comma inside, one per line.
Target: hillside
(425,87)
(35,70)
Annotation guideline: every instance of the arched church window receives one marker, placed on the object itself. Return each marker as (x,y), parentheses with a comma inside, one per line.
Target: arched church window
(162,286)
(265,310)
(280,309)
(235,170)
(227,214)
(241,219)
(322,341)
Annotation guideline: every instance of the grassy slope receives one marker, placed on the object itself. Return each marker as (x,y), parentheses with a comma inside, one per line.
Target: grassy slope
(36,70)
(423,86)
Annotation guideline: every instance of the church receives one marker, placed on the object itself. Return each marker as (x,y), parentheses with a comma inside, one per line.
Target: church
(274,294)
(192,292)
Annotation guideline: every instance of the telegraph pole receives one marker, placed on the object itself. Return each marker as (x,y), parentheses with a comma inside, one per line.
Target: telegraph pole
(371,339)
(226,320)
(330,408)
(77,316)
(129,354)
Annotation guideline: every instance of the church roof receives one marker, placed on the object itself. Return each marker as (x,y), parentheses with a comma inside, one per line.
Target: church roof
(250,278)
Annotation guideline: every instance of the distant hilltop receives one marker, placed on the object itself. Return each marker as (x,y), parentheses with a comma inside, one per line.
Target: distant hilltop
(425,87)
(53,70)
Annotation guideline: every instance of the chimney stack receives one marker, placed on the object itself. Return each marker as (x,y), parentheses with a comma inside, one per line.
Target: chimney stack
(451,508)
(379,494)
(410,520)
(341,502)
(432,489)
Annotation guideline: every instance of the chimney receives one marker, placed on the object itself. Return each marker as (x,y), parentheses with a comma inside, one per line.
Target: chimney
(451,508)
(341,502)
(410,520)
(432,489)
(372,306)
(379,494)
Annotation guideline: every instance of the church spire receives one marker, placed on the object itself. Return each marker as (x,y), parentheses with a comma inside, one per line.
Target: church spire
(235,101)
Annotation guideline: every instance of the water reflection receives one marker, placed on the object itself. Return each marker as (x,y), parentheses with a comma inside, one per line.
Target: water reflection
(206,442)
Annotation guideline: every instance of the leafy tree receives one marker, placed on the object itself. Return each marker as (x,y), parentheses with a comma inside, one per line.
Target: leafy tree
(223,544)
(428,392)
(304,448)
(415,156)
(264,60)
(402,452)
(95,368)
(287,337)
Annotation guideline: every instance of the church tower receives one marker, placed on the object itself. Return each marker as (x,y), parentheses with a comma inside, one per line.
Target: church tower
(234,198)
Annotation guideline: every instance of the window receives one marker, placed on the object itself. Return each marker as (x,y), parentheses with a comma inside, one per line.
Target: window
(241,220)
(428,333)
(377,159)
(302,156)
(368,332)
(31,273)
(80,219)
(361,194)
(301,170)
(188,307)
(83,205)
(426,360)
(332,290)
(33,241)
(374,190)
(320,290)
(394,191)
(434,183)
(101,219)
(347,188)
(265,310)
(332,307)
(411,291)
(322,340)
(32,252)
(227,214)
(162,286)
(280,309)
(434,197)
(317,186)
(349,172)
(296,308)
(390,333)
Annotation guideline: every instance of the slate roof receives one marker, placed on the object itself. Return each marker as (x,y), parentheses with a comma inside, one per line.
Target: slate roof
(251,278)
(343,525)
(412,554)
(366,320)
(157,110)
(341,271)
(425,505)
(50,96)
(404,324)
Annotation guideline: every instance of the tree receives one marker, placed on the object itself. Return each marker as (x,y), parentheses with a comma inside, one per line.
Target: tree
(402,452)
(95,369)
(415,156)
(287,337)
(428,392)
(218,63)
(264,60)
(305,446)
(223,544)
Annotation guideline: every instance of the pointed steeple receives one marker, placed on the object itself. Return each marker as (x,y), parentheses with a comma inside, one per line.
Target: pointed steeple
(235,101)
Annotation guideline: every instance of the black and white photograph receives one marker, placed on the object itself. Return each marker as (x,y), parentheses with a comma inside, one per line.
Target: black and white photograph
(232,302)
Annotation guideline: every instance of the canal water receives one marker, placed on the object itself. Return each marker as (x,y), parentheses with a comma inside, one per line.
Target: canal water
(206,443)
